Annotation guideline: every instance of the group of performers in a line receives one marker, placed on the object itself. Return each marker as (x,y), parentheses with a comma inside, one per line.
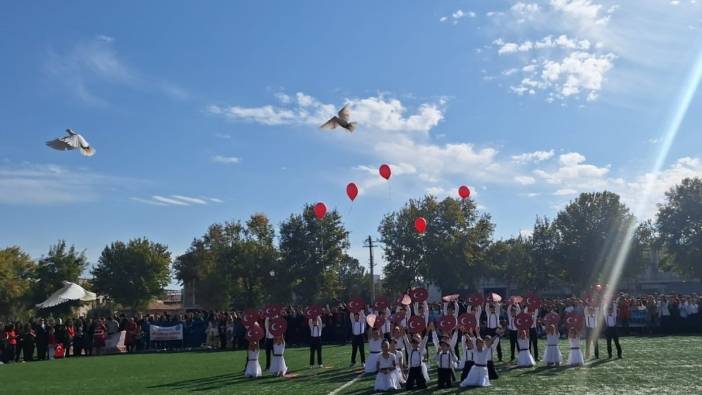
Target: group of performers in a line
(399,358)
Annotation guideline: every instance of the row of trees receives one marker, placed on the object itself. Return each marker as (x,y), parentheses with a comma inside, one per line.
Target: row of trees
(131,273)
(238,264)
(582,245)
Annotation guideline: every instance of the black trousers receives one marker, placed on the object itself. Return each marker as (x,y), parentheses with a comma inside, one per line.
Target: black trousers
(316,348)
(445,377)
(42,350)
(416,377)
(512,343)
(28,352)
(534,343)
(269,351)
(9,353)
(357,345)
(611,334)
(492,373)
(466,369)
(592,337)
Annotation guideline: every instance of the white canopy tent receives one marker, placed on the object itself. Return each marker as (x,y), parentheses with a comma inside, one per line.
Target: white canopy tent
(69,292)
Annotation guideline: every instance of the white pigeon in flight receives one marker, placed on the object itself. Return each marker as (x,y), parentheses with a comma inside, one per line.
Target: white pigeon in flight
(343,119)
(71,142)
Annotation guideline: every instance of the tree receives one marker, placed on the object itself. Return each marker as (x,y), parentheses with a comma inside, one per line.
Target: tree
(133,273)
(16,273)
(313,254)
(679,226)
(591,231)
(452,252)
(61,264)
(234,265)
(544,269)
(509,260)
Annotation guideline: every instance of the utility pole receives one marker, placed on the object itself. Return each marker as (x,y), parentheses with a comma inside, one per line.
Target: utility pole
(369,244)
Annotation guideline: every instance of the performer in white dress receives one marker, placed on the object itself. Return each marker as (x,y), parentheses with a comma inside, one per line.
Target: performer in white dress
(524,358)
(575,356)
(400,367)
(253,368)
(386,379)
(478,375)
(375,343)
(552,356)
(278,366)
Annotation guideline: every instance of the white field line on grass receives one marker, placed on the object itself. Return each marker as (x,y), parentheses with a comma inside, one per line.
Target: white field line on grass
(338,390)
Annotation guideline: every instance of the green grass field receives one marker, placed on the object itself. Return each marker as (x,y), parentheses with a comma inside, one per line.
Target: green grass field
(642,371)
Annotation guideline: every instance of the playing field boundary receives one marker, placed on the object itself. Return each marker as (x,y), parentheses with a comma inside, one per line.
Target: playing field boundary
(348,384)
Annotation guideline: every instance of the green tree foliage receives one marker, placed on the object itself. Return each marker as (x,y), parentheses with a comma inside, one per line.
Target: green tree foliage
(61,264)
(679,226)
(591,230)
(314,255)
(16,274)
(451,253)
(134,273)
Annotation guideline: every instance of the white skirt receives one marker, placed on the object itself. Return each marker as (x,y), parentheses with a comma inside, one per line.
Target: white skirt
(400,376)
(278,366)
(372,363)
(553,355)
(253,369)
(525,360)
(386,381)
(575,358)
(425,372)
(477,377)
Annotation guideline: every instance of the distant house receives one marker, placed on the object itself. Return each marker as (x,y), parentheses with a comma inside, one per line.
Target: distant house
(171,302)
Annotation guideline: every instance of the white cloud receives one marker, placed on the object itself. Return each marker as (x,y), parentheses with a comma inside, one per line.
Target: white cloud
(176,200)
(573,171)
(524,180)
(525,11)
(93,66)
(189,199)
(662,182)
(565,192)
(226,159)
(457,15)
(536,156)
(371,112)
(582,12)
(47,184)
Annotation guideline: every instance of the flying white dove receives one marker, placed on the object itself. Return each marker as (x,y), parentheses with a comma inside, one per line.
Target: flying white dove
(71,142)
(342,119)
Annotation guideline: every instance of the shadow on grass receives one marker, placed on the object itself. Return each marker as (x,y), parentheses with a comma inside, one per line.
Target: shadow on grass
(230,379)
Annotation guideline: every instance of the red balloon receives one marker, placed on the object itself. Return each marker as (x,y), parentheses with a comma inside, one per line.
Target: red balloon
(352,191)
(464,192)
(420,225)
(320,210)
(384,171)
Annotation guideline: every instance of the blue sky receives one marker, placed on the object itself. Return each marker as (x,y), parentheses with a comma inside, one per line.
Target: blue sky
(209,111)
